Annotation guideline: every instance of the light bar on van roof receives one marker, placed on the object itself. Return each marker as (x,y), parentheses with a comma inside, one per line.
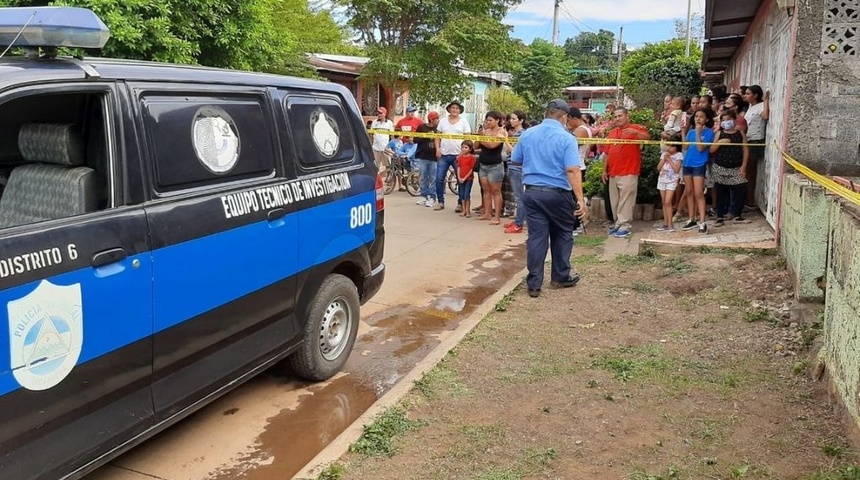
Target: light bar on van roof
(52,27)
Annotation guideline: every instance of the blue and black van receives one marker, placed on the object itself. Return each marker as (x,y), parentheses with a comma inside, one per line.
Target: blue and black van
(166,233)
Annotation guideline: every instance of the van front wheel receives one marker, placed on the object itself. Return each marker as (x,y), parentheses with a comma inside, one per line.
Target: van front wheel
(330,330)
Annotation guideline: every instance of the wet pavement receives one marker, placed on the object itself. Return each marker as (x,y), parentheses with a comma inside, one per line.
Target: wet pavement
(440,268)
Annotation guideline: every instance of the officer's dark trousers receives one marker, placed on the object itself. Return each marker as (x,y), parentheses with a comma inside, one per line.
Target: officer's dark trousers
(550,217)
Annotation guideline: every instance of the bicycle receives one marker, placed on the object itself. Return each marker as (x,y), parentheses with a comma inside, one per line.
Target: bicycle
(452,181)
(399,171)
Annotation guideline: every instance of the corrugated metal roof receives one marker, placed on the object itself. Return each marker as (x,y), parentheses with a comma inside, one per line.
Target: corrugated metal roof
(726,25)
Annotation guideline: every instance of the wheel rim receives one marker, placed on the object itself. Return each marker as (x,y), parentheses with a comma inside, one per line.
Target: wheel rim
(334,329)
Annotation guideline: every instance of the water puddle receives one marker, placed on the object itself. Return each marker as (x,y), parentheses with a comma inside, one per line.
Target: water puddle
(396,340)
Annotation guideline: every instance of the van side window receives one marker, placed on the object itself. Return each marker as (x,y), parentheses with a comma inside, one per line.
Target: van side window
(198,141)
(54,160)
(321,129)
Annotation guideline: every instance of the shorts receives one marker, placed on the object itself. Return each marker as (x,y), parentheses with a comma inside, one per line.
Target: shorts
(670,186)
(493,173)
(464,190)
(694,171)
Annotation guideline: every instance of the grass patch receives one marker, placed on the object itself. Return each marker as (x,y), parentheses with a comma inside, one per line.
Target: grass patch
(500,473)
(671,473)
(628,363)
(441,379)
(505,302)
(538,457)
(676,266)
(640,287)
(632,260)
(758,314)
(481,437)
(851,472)
(800,366)
(833,451)
(332,472)
(585,260)
(590,241)
(377,439)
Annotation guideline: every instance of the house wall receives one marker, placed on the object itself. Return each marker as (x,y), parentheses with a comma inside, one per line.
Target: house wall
(826,87)
(841,351)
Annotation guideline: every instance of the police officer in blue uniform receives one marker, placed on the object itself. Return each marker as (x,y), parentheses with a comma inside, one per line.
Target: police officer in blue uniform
(553,196)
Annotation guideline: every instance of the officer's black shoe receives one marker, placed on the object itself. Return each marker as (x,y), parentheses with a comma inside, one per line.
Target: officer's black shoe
(534,293)
(570,282)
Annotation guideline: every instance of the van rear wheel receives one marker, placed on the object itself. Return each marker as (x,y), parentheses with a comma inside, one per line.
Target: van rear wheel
(330,330)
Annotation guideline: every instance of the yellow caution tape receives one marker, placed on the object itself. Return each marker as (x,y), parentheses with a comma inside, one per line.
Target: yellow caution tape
(513,140)
(822,180)
(828,183)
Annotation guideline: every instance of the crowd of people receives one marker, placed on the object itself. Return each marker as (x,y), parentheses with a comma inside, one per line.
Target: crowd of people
(705,144)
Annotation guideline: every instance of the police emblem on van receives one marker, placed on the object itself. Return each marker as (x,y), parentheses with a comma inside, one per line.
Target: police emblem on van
(215,140)
(45,334)
(325,133)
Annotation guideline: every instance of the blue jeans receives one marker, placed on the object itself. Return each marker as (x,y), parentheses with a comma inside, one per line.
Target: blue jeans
(551,223)
(516,176)
(441,173)
(465,190)
(427,172)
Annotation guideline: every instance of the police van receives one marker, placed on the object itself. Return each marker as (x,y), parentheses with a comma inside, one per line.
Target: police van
(166,233)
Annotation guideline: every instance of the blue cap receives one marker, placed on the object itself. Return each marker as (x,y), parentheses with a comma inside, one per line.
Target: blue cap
(411,108)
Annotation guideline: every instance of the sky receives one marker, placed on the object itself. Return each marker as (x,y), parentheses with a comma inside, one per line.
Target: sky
(643,20)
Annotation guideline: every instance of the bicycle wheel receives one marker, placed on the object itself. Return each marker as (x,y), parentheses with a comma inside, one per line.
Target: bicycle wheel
(452,182)
(390,181)
(413,184)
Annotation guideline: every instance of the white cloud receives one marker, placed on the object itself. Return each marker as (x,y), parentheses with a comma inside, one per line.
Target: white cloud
(524,22)
(615,11)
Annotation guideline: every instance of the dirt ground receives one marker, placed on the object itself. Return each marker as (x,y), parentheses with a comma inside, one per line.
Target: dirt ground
(688,366)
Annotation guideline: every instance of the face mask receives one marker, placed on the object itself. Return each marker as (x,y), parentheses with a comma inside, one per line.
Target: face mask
(728,124)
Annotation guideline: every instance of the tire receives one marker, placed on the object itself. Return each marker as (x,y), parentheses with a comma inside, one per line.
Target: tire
(452,182)
(330,330)
(413,184)
(389,181)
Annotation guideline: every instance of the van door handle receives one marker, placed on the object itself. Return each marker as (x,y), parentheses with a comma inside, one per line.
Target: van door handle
(276,214)
(106,257)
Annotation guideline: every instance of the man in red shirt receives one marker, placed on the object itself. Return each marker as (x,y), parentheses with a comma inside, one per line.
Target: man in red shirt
(410,122)
(621,170)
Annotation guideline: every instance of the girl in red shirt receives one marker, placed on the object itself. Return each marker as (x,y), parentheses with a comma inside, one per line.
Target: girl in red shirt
(466,175)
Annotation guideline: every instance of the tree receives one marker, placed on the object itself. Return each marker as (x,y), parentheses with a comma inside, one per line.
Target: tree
(593,59)
(504,100)
(544,72)
(426,41)
(697,28)
(258,35)
(657,69)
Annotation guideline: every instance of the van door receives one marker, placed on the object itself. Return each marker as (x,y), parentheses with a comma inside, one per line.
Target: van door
(75,285)
(224,239)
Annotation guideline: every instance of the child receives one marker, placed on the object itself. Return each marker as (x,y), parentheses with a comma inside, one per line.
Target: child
(669,168)
(465,175)
(676,118)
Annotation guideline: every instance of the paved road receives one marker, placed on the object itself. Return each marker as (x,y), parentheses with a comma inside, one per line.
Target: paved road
(440,267)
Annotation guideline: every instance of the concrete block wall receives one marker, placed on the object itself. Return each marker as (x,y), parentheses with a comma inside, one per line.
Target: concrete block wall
(805,220)
(842,307)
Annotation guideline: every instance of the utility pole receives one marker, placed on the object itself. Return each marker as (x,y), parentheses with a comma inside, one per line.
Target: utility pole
(555,23)
(689,26)
(618,75)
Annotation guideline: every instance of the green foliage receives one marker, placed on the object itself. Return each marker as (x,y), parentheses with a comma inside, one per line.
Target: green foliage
(333,472)
(504,100)
(592,186)
(256,35)
(656,69)
(544,72)
(647,192)
(425,42)
(592,51)
(377,439)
